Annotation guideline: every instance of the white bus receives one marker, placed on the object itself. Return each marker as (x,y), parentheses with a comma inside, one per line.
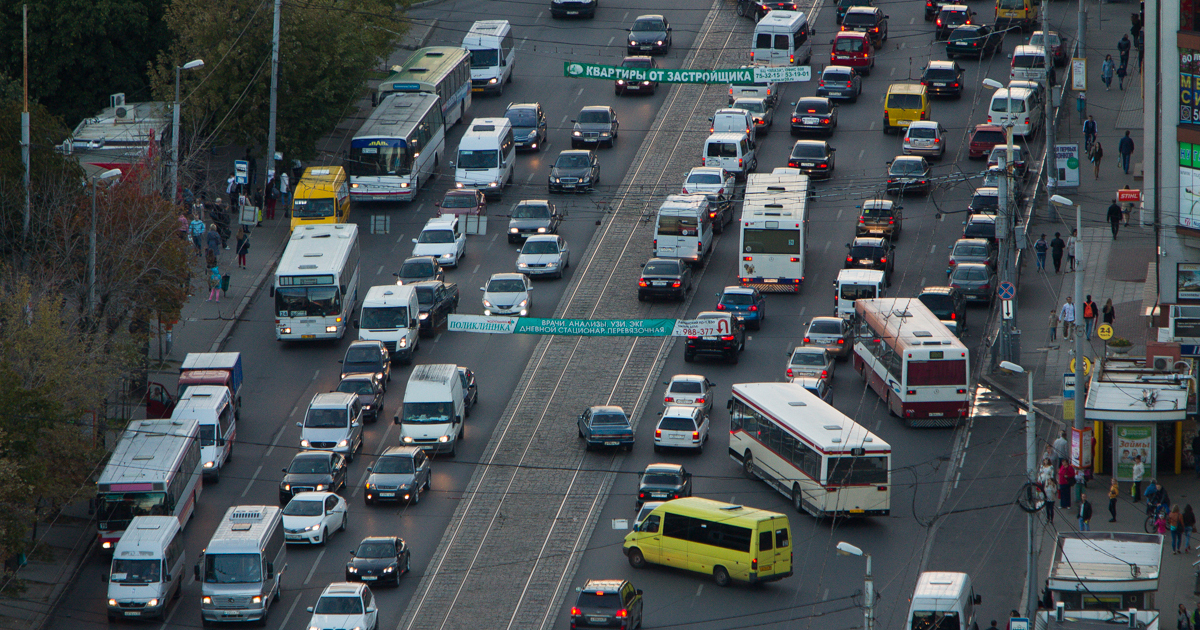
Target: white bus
(316,282)
(918,367)
(400,145)
(153,471)
(441,70)
(774,232)
(826,463)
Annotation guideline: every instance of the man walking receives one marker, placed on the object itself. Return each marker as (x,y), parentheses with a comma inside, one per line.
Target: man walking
(1071,243)
(1114,217)
(1139,471)
(1040,248)
(1089,132)
(1090,312)
(1123,47)
(1056,251)
(1125,148)
(1066,315)
(1085,513)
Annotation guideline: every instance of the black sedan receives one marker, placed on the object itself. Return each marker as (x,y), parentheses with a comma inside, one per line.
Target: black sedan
(313,471)
(871,253)
(943,78)
(663,482)
(378,559)
(575,170)
(976,40)
(369,389)
(641,87)
(419,269)
(909,173)
(814,114)
(664,277)
(649,34)
(813,157)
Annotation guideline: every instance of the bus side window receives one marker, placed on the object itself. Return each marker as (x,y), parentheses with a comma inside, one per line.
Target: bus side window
(781,538)
(650,524)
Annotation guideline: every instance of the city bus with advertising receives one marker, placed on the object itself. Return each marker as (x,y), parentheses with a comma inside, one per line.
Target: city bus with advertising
(154,470)
(441,70)
(316,282)
(399,147)
(774,232)
(918,367)
(825,462)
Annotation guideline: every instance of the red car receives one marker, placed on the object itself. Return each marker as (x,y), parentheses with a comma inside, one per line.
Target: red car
(983,139)
(462,201)
(853,49)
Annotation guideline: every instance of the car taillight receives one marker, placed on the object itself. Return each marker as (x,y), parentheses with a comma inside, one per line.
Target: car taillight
(751,59)
(912,392)
(841,341)
(669,399)
(807,340)
(747,258)
(962,391)
(789,372)
(753,308)
(754,564)
(922,115)
(795,259)
(954,85)
(658,433)
(792,59)
(675,285)
(986,287)
(954,285)
(862,219)
(727,338)
(825,121)
(700,401)
(642,283)
(824,373)
(720,307)
(739,162)
(885,117)
(621,614)
(989,119)
(575,611)
(1026,120)
(939,21)
(692,337)
(953,315)
(883,260)
(821,83)
(891,221)
(851,258)
(695,435)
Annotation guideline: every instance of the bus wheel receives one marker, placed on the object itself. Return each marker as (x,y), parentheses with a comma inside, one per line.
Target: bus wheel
(721,576)
(636,559)
(748,465)
(797,501)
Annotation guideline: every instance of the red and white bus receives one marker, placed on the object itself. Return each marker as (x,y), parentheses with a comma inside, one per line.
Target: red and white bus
(154,471)
(916,365)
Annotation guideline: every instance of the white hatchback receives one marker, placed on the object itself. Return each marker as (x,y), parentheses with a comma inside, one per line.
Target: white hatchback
(681,427)
(310,516)
(507,294)
(925,137)
(544,255)
(692,390)
(345,605)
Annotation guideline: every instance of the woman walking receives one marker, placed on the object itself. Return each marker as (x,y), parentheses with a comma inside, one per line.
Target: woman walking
(1108,313)
(1096,154)
(1175,525)
(1189,526)
(1053,324)
(1051,491)
(1184,621)
(243,246)
(1114,491)
(214,284)
(1107,70)
(1066,478)
(1046,472)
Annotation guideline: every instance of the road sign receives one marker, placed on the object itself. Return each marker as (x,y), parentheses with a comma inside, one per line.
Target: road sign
(1132,195)
(1087,366)
(1104,332)
(241,171)
(1006,290)
(1018,623)
(1006,309)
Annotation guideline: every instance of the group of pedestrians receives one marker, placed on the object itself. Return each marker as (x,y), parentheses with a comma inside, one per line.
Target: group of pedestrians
(1066,316)
(1059,480)
(1056,248)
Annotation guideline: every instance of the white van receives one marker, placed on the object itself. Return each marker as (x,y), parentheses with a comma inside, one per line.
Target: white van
(433,411)
(943,599)
(444,237)
(733,119)
(1028,63)
(782,38)
(684,229)
(732,151)
(147,568)
(486,156)
(493,55)
(389,314)
(241,568)
(212,405)
(856,284)
(1026,114)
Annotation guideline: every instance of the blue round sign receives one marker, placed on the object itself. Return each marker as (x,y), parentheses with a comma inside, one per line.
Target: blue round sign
(1006,290)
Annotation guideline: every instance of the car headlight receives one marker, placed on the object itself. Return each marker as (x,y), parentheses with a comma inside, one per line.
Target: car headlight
(658,43)
(542,230)
(522,265)
(423,316)
(514,231)
(152,603)
(552,264)
(633,42)
(287,487)
(586,179)
(369,486)
(492,81)
(404,184)
(407,439)
(209,464)
(447,256)
(320,487)
(604,133)
(351,569)
(343,443)
(403,487)
(257,599)
(206,600)
(487,304)
(403,343)
(523,303)
(444,439)
(312,528)
(554,180)
(304,443)
(620,81)
(112,602)
(390,569)
(645,83)
(458,184)
(493,184)
(577,133)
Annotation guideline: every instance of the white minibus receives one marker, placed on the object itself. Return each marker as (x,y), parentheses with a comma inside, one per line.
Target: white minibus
(684,228)
(486,156)
(147,569)
(782,38)
(493,55)
(213,406)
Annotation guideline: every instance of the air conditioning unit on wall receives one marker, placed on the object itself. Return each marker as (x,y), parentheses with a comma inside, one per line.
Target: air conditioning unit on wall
(1162,364)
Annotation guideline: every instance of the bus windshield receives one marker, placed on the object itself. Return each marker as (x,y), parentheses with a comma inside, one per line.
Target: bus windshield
(377,161)
(313,208)
(380,317)
(484,57)
(123,506)
(135,571)
(232,568)
(487,158)
(759,241)
(307,301)
(427,412)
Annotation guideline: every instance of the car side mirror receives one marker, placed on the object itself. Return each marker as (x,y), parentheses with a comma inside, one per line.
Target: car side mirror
(352,552)
(847,247)
(687,475)
(978,600)
(284,471)
(572,120)
(309,609)
(437,203)
(483,288)
(271,292)
(887,17)
(300,424)
(639,591)
(415,240)
(396,419)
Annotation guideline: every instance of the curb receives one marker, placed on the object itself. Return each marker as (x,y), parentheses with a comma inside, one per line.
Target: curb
(63,587)
(227,330)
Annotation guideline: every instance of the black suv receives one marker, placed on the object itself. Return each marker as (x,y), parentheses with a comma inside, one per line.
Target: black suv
(943,78)
(951,17)
(663,482)
(607,604)
(319,471)
(872,253)
(869,20)
(947,304)
(727,345)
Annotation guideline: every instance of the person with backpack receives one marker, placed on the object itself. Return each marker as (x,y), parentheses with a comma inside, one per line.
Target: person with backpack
(1090,313)
(1040,248)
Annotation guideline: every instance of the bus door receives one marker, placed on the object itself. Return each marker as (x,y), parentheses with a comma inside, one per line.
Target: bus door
(675,540)
(774,547)
(650,539)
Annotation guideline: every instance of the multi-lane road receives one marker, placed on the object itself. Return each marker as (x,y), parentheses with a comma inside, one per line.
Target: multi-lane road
(979,531)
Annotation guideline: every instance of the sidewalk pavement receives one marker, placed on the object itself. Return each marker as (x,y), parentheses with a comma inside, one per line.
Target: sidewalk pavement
(67,541)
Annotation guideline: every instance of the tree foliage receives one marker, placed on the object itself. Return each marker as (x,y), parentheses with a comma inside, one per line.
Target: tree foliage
(327,49)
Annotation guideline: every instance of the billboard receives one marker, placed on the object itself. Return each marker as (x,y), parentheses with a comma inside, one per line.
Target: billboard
(1130,440)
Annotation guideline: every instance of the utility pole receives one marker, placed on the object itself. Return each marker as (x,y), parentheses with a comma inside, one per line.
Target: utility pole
(1051,117)
(25,131)
(1080,359)
(1004,219)
(271,167)
(1031,474)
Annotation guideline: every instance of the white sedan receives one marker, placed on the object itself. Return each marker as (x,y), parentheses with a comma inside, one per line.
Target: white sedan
(345,605)
(507,294)
(544,255)
(310,516)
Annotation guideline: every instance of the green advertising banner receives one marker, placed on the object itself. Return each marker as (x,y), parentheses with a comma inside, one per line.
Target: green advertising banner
(777,74)
(587,327)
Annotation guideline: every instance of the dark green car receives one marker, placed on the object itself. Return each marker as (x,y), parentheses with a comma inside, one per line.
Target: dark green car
(976,40)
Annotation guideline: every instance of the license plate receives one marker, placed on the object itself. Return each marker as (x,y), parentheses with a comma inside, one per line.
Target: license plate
(308,336)
(865,261)
(387,494)
(684,401)
(293,537)
(809,164)
(611,443)
(658,495)
(658,284)
(368,578)
(646,47)
(838,93)
(572,13)
(939,85)
(476,89)
(935,415)
(231,613)
(810,121)
(597,620)
(133,613)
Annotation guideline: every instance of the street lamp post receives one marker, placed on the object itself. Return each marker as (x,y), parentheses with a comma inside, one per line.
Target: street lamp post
(1031,473)
(91,305)
(1004,218)
(195,63)
(846,549)
(1059,200)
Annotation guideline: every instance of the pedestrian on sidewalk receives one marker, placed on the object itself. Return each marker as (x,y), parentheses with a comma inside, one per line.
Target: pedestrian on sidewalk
(1109,315)
(214,284)
(283,188)
(1096,154)
(1123,47)
(1091,312)
(1066,315)
(196,227)
(1062,450)
(243,246)
(1046,471)
(1125,148)
(1139,42)
(220,216)
(1139,471)
(1189,526)
(1085,513)
(212,239)
(1040,248)
(1066,479)
(182,230)
(1107,69)
(1160,524)
(1114,491)
(271,195)
(1089,132)
(1051,491)
(1071,241)
(1053,324)
(1184,621)
(1175,525)
(232,188)
(1114,217)
(1122,71)
(1056,251)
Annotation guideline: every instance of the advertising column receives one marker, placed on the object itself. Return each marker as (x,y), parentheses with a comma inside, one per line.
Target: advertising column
(1129,441)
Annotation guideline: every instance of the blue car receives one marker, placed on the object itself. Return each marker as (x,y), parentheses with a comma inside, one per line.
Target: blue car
(747,303)
(605,425)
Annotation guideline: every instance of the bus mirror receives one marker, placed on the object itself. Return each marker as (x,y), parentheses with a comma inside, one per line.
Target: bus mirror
(196,571)
(978,600)
(396,419)
(271,292)
(729,404)
(270,570)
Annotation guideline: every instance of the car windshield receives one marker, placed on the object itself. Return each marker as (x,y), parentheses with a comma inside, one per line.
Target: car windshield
(1029,61)
(677,424)
(376,549)
(637,63)
(572,161)
(309,466)
(232,568)
(954,17)
(522,117)
(381,317)
(356,386)
(970,249)
(825,327)
(339,606)
(876,212)
(661,268)
(686,387)
(540,247)
(208,434)
(126,571)
(704,178)
(593,116)
(969,274)
(805,150)
(809,358)
(393,465)
(417,269)
(483,158)
(649,25)
(531,211)
(813,106)
(922,132)
(326,419)
(660,478)
(906,167)
(300,507)
(1036,40)
(979,202)
(1001,103)
(460,201)
(484,57)
(980,229)
(428,412)
(436,236)
(312,208)
(506,285)
(737,299)
(424,296)
(937,302)
(752,105)
(610,419)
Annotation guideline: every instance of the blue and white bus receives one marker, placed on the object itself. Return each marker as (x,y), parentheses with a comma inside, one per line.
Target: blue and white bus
(441,70)
(398,148)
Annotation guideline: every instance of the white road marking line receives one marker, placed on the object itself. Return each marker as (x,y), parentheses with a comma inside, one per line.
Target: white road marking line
(825,596)
(862,151)
(399,238)
(872,127)
(380,270)
(420,207)
(610,40)
(530,178)
(290,611)
(579,93)
(933,249)
(839,216)
(253,478)
(699,589)
(922,280)
(903,45)
(315,373)
(295,408)
(893,71)
(566,116)
(494,236)
(624,16)
(914,21)
(827,244)
(437,338)
(475,270)
(313,570)
(521,46)
(273,443)
(802,309)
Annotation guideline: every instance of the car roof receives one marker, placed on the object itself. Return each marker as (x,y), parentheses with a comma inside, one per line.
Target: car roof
(313,455)
(973,241)
(955,7)
(681,411)
(380,538)
(746,98)
(841,69)
(507,276)
(365,342)
(551,238)
(523,106)
(607,409)
(825,318)
(938,290)
(638,58)
(941,63)
(727,136)
(603,585)
(343,588)
(814,99)
(987,190)
(971,265)
(739,290)
(981,218)
(850,35)
(879,204)
(420,258)
(407,451)
(574,152)
(331,400)
(314,496)
(696,378)
(864,9)
(987,127)
(596,108)
(710,169)
(359,376)
(968,27)
(714,315)
(649,16)
(664,260)
(664,466)
(808,381)
(907,158)
(463,191)
(905,88)
(814,143)
(932,124)
(808,350)
(869,241)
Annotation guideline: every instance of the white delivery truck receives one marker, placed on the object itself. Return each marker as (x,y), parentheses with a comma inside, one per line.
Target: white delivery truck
(147,569)
(493,55)
(943,599)
(389,314)
(213,406)
(434,409)
(684,229)
(241,568)
(856,284)
(486,157)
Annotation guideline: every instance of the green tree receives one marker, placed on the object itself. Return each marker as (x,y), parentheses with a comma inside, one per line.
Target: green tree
(327,49)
